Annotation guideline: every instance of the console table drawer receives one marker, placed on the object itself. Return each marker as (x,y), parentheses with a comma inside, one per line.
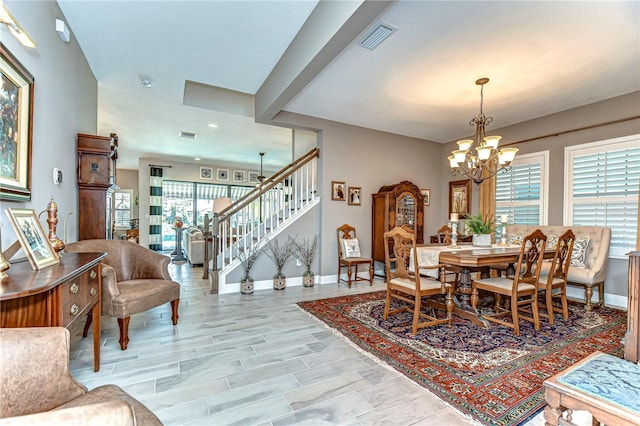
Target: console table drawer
(79,294)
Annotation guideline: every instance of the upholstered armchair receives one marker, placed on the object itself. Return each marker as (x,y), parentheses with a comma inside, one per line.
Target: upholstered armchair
(38,389)
(134,279)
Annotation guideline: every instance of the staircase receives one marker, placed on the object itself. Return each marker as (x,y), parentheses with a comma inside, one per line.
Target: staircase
(264,212)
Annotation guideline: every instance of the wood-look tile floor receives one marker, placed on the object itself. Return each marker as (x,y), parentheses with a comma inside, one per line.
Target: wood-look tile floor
(254,360)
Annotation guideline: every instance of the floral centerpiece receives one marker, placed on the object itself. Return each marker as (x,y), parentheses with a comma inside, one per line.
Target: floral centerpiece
(481,227)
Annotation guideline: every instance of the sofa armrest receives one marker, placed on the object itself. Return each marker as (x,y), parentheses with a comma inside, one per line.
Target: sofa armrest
(111,413)
(34,366)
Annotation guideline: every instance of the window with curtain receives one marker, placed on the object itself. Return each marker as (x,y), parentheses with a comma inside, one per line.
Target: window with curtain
(602,180)
(521,193)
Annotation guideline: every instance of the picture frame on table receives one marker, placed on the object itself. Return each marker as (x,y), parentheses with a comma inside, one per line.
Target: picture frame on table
(238,175)
(32,238)
(427,196)
(460,197)
(355,195)
(223,175)
(17,118)
(206,173)
(337,191)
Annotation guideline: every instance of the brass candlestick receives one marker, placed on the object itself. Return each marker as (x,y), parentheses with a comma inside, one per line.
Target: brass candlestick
(52,220)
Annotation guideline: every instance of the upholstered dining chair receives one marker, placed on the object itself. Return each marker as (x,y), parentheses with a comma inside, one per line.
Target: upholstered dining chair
(410,287)
(134,279)
(522,288)
(349,256)
(554,285)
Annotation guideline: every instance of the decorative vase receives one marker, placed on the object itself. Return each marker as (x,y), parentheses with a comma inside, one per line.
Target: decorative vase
(178,222)
(246,285)
(279,281)
(482,240)
(308,278)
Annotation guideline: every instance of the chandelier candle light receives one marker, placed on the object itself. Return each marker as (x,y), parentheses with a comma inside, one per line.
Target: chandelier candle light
(474,156)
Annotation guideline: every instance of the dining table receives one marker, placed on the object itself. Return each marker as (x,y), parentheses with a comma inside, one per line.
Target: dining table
(469,259)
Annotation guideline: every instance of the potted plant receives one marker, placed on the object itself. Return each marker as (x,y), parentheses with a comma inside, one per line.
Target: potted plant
(248,258)
(306,251)
(280,254)
(481,227)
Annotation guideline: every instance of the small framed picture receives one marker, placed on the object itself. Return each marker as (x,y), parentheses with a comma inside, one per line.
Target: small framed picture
(32,238)
(238,175)
(337,191)
(223,174)
(355,195)
(253,177)
(206,173)
(427,196)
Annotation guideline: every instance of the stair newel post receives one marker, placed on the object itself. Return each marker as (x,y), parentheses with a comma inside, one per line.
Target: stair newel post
(215,234)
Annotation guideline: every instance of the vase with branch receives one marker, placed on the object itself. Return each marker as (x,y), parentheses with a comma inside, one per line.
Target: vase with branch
(306,251)
(248,257)
(280,253)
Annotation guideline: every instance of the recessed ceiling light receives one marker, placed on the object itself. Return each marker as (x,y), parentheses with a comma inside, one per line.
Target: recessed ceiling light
(146,82)
(197,158)
(212,125)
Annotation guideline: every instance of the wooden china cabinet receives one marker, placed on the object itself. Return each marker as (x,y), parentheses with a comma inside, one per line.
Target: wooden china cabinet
(97,157)
(396,205)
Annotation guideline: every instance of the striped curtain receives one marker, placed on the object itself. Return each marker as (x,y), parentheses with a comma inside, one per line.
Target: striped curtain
(155,209)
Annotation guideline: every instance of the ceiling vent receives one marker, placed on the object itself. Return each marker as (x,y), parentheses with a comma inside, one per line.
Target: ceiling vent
(188,135)
(376,36)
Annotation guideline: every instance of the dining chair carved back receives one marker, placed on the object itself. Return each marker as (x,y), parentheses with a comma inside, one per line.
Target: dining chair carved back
(444,235)
(554,285)
(522,288)
(410,288)
(349,256)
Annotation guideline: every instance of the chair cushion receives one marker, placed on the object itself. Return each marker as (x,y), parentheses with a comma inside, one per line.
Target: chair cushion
(110,393)
(350,247)
(140,295)
(410,284)
(504,284)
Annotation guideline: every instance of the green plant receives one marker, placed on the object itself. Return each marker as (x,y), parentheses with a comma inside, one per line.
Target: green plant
(481,224)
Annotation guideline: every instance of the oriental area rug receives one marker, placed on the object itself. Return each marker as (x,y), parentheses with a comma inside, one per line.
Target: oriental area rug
(490,375)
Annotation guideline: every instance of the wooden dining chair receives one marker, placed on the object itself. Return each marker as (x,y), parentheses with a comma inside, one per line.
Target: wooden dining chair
(349,256)
(522,288)
(554,285)
(410,287)
(444,235)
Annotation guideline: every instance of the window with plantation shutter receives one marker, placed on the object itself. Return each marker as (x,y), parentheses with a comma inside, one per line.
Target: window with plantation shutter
(602,189)
(521,191)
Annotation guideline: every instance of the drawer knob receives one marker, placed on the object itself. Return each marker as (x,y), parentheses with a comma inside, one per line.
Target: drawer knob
(93,274)
(74,309)
(93,292)
(74,288)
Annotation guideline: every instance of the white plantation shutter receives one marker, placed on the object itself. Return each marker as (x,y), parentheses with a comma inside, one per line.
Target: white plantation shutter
(520,192)
(603,180)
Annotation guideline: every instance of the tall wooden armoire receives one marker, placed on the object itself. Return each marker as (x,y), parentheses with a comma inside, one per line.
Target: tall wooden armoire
(96,184)
(396,205)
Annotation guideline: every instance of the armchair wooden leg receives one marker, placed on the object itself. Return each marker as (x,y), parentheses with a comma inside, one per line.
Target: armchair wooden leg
(85,332)
(123,323)
(174,311)
(371,273)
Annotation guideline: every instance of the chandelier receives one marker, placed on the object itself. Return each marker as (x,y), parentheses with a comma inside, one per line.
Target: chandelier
(474,156)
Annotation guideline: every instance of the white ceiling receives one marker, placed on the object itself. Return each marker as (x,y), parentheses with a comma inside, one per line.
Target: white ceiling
(541,57)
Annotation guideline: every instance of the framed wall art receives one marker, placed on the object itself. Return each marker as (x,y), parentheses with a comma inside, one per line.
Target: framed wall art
(337,191)
(427,196)
(32,238)
(238,175)
(460,197)
(253,177)
(16,116)
(223,175)
(355,196)
(206,173)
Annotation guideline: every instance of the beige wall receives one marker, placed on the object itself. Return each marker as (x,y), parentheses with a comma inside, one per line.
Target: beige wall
(65,103)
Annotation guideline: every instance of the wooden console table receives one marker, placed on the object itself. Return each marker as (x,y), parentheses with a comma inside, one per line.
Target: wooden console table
(56,296)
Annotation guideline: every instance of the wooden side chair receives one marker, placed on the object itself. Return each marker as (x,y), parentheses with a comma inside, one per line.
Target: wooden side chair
(554,285)
(349,256)
(410,287)
(522,288)
(444,235)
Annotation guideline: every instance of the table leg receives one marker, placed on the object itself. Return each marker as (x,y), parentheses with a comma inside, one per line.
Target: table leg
(462,307)
(96,311)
